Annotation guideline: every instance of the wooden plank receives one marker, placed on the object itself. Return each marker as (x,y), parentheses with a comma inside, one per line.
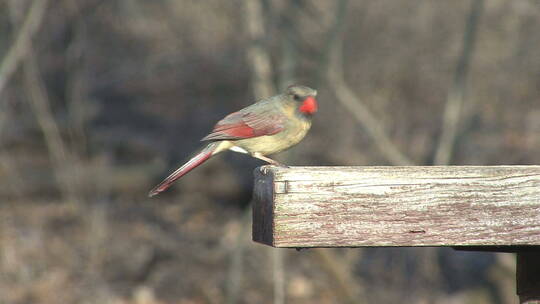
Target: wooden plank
(397,206)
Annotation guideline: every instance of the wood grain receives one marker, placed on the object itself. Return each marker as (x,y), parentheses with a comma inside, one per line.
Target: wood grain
(397,206)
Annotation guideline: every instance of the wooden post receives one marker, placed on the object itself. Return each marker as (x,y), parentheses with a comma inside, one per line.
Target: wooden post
(528,277)
(494,208)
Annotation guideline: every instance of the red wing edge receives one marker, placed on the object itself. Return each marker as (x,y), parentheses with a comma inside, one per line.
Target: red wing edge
(240,125)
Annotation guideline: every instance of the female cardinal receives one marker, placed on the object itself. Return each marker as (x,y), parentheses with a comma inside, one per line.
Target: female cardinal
(268,126)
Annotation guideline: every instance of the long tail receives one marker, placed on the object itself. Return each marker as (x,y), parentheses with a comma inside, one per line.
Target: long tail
(194,162)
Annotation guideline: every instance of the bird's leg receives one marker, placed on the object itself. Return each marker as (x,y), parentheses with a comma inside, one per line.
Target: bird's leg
(268,160)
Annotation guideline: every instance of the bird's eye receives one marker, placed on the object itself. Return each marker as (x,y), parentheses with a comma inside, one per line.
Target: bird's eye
(296,97)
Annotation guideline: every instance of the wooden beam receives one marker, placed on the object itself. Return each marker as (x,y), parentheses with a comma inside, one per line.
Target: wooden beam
(528,277)
(397,206)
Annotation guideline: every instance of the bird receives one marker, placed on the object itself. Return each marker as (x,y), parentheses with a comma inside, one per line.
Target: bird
(266,127)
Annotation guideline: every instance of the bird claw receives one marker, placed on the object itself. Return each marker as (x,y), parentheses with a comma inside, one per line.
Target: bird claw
(269,160)
(277,164)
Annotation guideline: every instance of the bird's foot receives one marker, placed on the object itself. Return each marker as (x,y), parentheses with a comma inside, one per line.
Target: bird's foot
(280,165)
(269,160)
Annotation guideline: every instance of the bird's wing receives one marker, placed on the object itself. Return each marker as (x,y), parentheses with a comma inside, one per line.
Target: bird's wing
(253,121)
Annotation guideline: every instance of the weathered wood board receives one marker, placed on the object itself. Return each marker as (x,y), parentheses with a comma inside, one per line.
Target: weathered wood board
(397,206)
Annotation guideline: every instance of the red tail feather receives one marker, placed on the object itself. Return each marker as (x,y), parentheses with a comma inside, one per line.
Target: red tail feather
(198,159)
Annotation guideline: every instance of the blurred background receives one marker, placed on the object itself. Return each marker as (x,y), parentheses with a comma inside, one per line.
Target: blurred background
(100,99)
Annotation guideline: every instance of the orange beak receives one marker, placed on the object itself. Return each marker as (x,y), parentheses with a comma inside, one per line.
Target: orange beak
(309,106)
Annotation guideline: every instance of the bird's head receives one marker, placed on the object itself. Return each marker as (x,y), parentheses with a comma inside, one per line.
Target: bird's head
(304,97)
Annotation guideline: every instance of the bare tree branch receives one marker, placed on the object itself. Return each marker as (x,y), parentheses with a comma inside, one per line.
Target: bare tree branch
(348,286)
(8,66)
(278,261)
(78,109)
(452,117)
(234,282)
(258,58)
(361,113)
(261,74)
(19,49)
(14,182)
(330,39)
(40,104)
(287,69)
